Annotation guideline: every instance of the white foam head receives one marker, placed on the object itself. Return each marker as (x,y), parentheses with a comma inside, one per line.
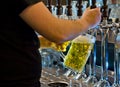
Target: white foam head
(87,38)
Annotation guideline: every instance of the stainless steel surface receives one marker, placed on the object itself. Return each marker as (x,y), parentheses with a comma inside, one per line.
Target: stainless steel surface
(49,76)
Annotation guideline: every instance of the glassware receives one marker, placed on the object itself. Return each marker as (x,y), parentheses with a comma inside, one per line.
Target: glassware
(46,62)
(51,66)
(78,53)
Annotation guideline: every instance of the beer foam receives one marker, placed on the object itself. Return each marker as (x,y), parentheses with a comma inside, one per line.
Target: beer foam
(84,38)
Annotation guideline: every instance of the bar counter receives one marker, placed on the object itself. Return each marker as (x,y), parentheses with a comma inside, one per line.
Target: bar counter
(51,79)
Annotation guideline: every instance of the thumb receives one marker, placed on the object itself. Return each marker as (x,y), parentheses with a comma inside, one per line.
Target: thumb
(88,8)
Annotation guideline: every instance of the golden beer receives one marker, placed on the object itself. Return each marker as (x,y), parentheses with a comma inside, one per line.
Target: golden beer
(44,43)
(78,53)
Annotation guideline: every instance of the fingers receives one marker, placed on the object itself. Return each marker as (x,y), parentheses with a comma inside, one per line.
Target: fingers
(88,8)
(97,8)
(96,11)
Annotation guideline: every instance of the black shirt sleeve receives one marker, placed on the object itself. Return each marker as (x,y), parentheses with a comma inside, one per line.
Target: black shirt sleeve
(22,4)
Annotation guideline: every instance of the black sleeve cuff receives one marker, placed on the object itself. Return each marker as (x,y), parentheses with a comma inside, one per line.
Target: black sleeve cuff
(22,4)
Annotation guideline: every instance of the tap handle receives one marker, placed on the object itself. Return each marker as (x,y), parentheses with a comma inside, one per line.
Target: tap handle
(105,9)
(79,6)
(69,8)
(69,2)
(104,2)
(58,2)
(49,3)
(59,7)
(93,4)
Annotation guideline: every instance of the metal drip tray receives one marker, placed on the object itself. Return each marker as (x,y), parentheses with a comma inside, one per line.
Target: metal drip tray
(58,84)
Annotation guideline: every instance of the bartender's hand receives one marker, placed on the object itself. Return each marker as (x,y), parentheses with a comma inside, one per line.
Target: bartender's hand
(92,17)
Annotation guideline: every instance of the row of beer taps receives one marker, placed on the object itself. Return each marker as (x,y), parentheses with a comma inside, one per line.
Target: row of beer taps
(106,22)
(107,30)
(92,3)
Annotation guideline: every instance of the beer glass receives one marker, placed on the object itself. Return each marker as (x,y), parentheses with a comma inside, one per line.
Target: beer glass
(79,52)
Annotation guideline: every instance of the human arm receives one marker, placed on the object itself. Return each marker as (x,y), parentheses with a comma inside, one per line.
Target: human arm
(54,29)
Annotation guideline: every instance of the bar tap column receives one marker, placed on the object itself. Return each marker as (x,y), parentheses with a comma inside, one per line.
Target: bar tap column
(116,82)
(116,32)
(104,28)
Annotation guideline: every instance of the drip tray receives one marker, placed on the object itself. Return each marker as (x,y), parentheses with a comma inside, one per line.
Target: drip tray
(58,84)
